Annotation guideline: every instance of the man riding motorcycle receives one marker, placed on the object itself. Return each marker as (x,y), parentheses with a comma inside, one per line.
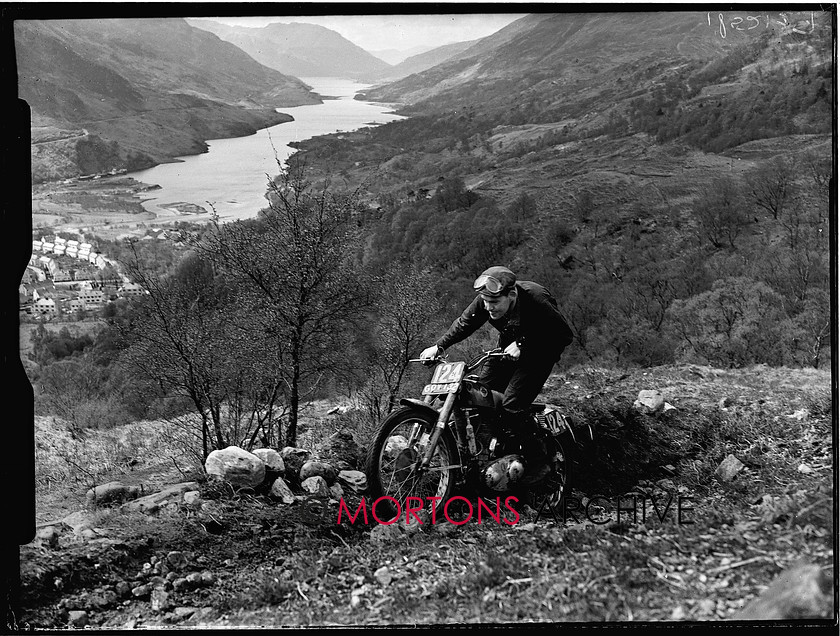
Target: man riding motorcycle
(533,334)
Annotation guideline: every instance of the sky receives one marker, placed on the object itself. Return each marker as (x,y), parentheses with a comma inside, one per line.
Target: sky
(401,32)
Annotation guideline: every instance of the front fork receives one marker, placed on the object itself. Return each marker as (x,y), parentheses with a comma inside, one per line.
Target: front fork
(443,418)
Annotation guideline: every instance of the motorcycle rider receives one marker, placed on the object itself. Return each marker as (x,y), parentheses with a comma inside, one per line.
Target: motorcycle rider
(533,334)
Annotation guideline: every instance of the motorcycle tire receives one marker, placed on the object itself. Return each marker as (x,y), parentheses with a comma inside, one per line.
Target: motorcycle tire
(391,465)
(549,495)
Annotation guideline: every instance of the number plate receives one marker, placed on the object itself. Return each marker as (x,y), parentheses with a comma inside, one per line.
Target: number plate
(435,389)
(446,378)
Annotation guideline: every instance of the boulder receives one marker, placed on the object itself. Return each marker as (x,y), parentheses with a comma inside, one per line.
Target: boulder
(314,468)
(354,480)
(294,458)
(272,459)
(316,486)
(336,491)
(236,466)
(394,445)
(649,402)
(112,492)
(280,490)
(803,591)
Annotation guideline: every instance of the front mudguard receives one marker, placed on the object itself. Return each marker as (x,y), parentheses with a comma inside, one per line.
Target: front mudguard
(420,404)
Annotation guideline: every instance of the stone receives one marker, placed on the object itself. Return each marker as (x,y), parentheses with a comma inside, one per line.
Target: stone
(649,402)
(112,492)
(383,575)
(316,486)
(77,618)
(160,600)
(382,534)
(801,592)
(355,480)
(192,498)
(293,458)
(340,450)
(394,445)
(152,503)
(79,521)
(728,468)
(48,536)
(176,559)
(273,460)
(236,466)
(336,491)
(805,469)
(280,490)
(314,468)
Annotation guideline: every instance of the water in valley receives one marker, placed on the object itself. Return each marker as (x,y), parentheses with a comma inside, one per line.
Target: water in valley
(233,174)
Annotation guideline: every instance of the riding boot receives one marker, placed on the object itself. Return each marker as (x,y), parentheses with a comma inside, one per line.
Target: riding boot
(530,439)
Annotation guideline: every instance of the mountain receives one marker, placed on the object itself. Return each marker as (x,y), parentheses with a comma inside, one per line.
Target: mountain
(130,93)
(566,64)
(422,61)
(395,56)
(299,49)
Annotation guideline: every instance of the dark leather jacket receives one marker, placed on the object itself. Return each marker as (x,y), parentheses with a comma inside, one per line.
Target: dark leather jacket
(534,322)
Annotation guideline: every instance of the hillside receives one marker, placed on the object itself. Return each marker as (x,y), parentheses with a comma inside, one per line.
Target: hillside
(301,50)
(130,93)
(252,561)
(421,62)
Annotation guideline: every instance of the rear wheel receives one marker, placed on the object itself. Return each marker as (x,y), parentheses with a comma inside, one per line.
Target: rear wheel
(548,495)
(393,464)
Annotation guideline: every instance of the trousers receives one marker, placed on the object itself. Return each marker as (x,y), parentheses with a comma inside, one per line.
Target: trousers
(520,381)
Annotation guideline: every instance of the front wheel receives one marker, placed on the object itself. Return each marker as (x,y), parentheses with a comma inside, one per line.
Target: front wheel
(393,464)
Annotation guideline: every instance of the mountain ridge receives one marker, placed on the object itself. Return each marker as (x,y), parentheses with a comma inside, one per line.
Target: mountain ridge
(112,83)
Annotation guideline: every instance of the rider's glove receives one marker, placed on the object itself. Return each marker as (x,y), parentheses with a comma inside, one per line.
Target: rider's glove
(431,353)
(512,351)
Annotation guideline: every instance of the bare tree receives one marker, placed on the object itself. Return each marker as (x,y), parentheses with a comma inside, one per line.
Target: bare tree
(720,215)
(771,185)
(294,267)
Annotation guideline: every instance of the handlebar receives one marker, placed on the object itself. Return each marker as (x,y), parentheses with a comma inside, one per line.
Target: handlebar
(471,365)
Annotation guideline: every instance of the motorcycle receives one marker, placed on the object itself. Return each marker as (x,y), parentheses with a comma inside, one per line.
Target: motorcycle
(451,441)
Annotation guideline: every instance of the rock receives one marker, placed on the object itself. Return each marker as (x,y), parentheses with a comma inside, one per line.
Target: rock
(183,613)
(316,486)
(192,498)
(420,521)
(649,402)
(800,416)
(77,618)
(805,469)
(314,468)
(176,559)
(79,521)
(803,591)
(160,600)
(280,490)
(383,575)
(668,408)
(336,491)
(236,466)
(152,503)
(122,589)
(112,492)
(273,460)
(394,445)
(142,591)
(355,480)
(294,459)
(728,468)
(382,534)
(48,537)
(341,451)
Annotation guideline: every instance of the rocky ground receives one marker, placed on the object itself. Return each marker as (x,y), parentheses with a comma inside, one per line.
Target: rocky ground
(744,455)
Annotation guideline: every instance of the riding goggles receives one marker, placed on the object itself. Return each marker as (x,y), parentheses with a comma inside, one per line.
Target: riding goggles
(489,284)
